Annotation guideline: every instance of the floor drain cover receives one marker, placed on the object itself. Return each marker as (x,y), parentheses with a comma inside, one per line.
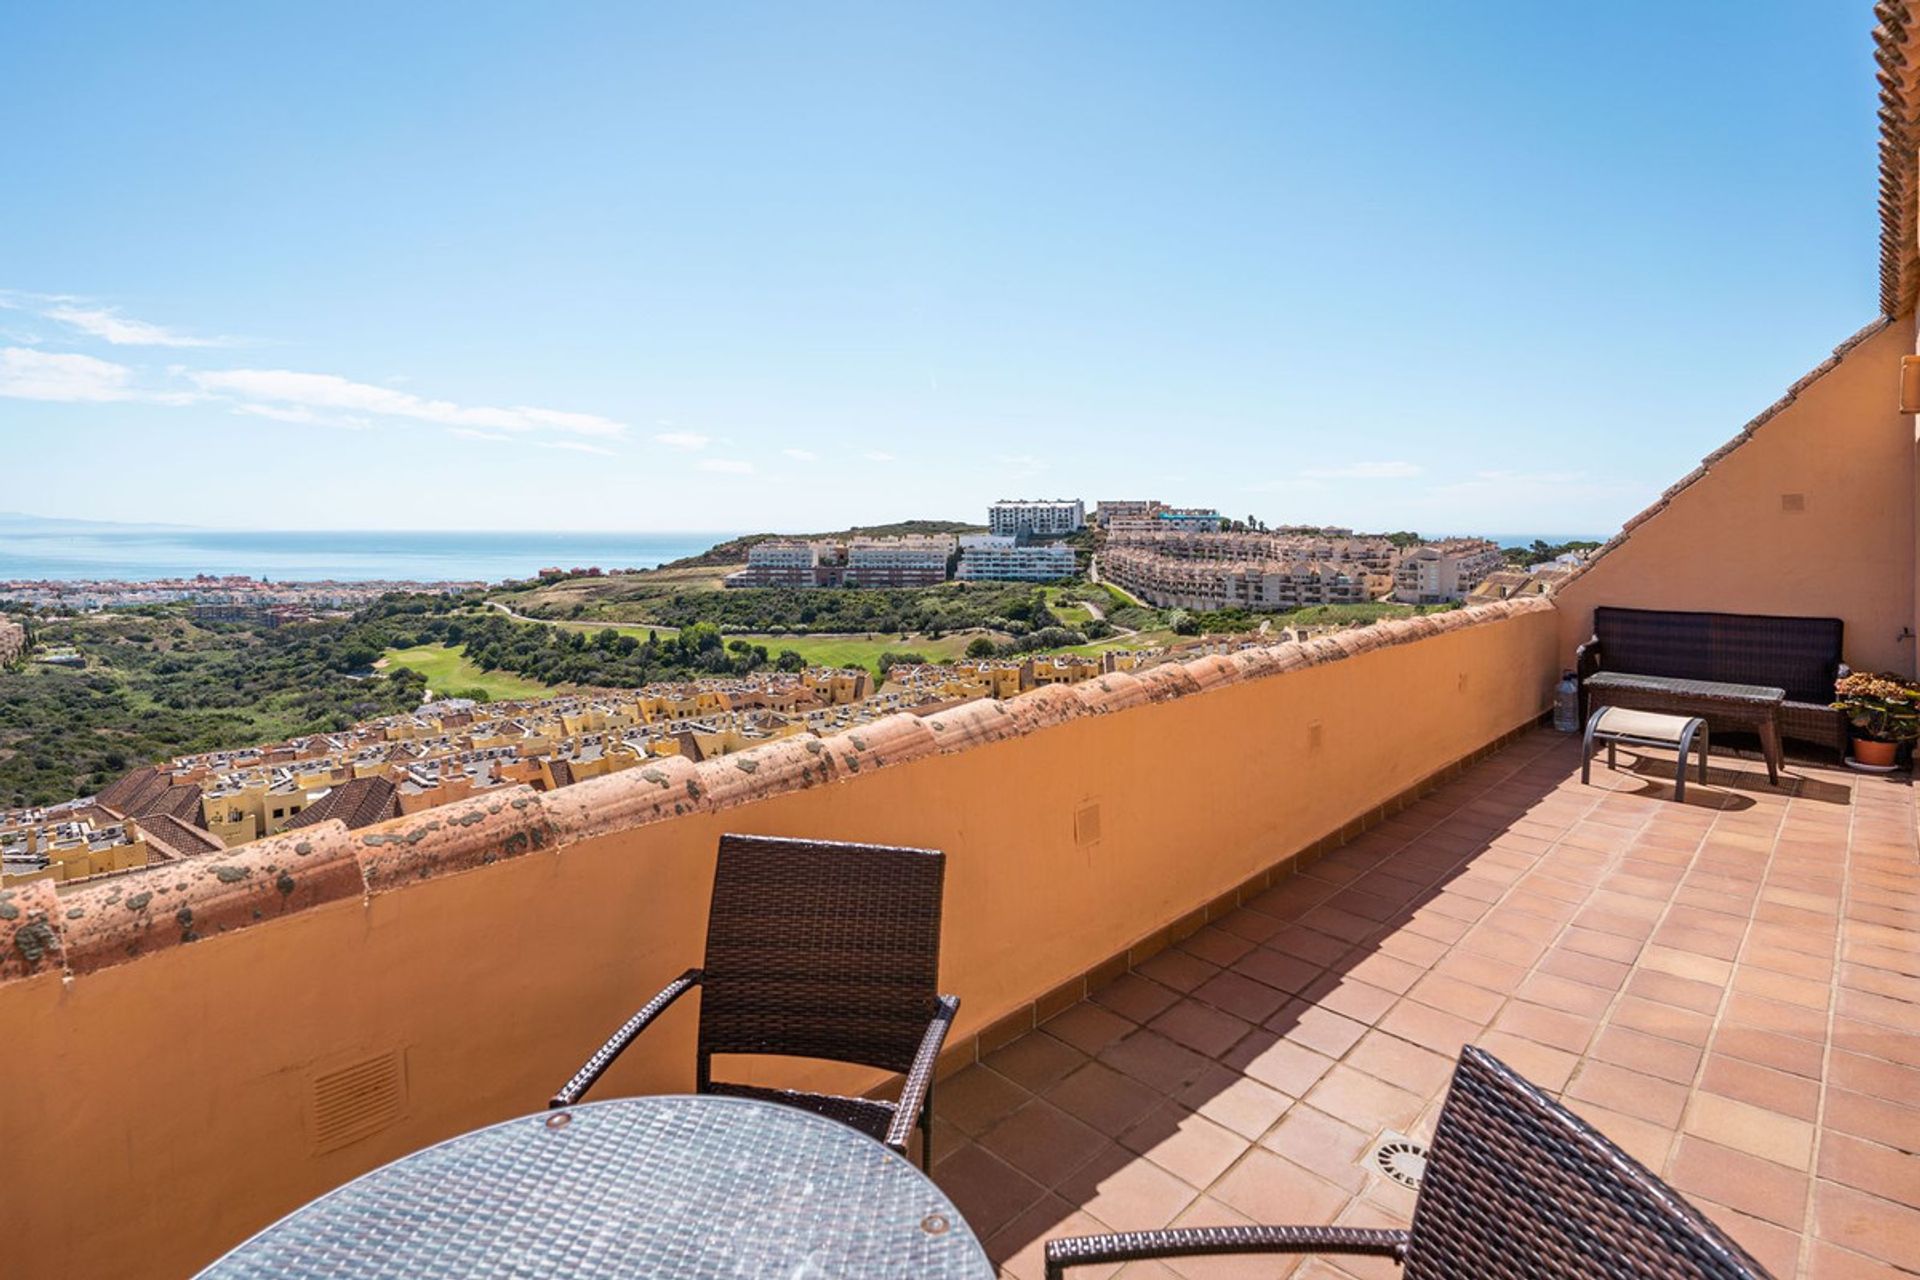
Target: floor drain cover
(1400,1158)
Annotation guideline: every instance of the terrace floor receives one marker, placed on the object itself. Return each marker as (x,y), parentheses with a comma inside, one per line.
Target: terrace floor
(1729,988)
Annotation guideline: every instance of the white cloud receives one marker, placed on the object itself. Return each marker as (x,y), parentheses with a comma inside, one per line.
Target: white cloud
(1364,471)
(801,455)
(468,433)
(107,324)
(878,455)
(726,466)
(302,416)
(691,441)
(576,446)
(329,391)
(26,374)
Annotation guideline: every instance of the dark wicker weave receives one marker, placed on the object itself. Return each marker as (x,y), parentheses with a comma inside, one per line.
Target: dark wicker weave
(1516,1186)
(817,950)
(1800,656)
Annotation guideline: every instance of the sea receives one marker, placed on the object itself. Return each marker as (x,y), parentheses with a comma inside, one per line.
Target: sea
(79,552)
(73,551)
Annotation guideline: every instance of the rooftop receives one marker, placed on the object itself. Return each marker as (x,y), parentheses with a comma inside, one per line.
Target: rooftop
(1726,988)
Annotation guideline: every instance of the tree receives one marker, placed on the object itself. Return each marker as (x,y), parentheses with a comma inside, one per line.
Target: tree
(1182,623)
(981,647)
(790,660)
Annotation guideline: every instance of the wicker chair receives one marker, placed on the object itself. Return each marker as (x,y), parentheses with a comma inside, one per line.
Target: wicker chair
(816,950)
(1515,1186)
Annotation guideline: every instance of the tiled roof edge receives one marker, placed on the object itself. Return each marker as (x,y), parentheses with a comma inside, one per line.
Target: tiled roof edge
(120,920)
(1899,77)
(1746,433)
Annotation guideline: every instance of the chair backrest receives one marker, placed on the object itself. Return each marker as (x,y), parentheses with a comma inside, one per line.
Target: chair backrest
(1799,655)
(817,949)
(1516,1185)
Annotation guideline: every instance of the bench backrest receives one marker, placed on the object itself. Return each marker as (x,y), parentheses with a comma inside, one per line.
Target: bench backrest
(1800,655)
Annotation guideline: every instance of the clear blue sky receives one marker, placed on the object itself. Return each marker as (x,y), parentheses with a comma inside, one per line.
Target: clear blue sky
(1452,266)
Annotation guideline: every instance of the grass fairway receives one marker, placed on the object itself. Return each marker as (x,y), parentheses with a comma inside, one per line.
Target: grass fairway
(449,673)
(856,651)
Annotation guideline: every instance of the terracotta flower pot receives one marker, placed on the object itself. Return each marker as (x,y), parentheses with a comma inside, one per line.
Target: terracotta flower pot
(1874,753)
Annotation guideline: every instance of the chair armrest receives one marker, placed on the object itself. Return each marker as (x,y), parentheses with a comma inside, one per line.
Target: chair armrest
(913,1094)
(1131,1246)
(603,1057)
(1586,659)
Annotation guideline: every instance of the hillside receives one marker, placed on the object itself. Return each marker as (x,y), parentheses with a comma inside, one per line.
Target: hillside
(734,550)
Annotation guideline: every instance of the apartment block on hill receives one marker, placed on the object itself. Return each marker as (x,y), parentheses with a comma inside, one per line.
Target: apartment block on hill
(997,557)
(1036,517)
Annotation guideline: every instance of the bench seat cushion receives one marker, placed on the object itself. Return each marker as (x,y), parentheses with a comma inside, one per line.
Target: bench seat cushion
(1759,695)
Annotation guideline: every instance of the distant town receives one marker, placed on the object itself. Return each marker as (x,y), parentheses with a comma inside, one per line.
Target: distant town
(1188,578)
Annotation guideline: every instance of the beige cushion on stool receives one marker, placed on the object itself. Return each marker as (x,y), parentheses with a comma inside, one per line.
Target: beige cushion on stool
(1643,724)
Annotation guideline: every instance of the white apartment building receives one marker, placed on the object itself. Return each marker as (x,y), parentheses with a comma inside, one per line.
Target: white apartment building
(1167,582)
(1000,558)
(779,562)
(1036,517)
(915,561)
(1112,509)
(1443,572)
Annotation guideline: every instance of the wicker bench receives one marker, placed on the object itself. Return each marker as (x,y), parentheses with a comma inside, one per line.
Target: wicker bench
(1615,725)
(1770,675)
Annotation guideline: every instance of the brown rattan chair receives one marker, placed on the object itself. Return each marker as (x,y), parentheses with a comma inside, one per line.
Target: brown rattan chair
(817,950)
(1515,1186)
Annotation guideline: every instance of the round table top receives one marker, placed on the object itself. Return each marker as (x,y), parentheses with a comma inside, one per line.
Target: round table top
(654,1186)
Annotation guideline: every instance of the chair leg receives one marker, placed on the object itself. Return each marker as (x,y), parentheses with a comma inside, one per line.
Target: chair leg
(1770,747)
(1680,762)
(1706,735)
(926,1132)
(1586,750)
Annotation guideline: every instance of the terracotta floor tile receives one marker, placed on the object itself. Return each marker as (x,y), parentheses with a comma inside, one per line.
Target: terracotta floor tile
(1575,966)
(1770,1049)
(1088,1027)
(1652,984)
(1137,1196)
(1401,1064)
(1304,944)
(1200,1027)
(1645,1141)
(1364,1102)
(1177,971)
(1549,1068)
(1043,1142)
(1185,1144)
(1134,997)
(1831,1262)
(976,1099)
(1281,1064)
(1215,945)
(1241,996)
(1866,1224)
(1018,1249)
(1564,994)
(1790,1095)
(1208,1212)
(1569,1032)
(1235,1102)
(987,1190)
(1774,1247)
(1430,1028)
(1647,1097)
(1876,1119)
(1762,1188)
(1350,998)
(1156,1061)
(1035,1061)
(1279,970)
(1667,1059)
(1322,1145)
(1103,1098)
(1267,1188)
(1316,1028)
(1754,1130)
(1451,995)
(1870,1167)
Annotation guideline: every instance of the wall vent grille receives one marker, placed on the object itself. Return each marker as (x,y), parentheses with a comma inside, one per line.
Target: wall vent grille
(357,1100)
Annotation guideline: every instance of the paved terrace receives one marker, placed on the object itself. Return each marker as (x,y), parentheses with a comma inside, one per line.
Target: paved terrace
(1728,988)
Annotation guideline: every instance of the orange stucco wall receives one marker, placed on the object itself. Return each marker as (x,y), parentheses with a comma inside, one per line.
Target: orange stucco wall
(1727,542)
(156,1110)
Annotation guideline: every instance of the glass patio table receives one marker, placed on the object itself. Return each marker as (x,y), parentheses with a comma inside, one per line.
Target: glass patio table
(652,1186)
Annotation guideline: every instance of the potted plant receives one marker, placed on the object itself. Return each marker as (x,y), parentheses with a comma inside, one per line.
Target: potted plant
(1883,712)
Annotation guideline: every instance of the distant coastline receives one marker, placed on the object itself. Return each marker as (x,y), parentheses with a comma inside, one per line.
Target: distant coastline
(70,553)
(34,548)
